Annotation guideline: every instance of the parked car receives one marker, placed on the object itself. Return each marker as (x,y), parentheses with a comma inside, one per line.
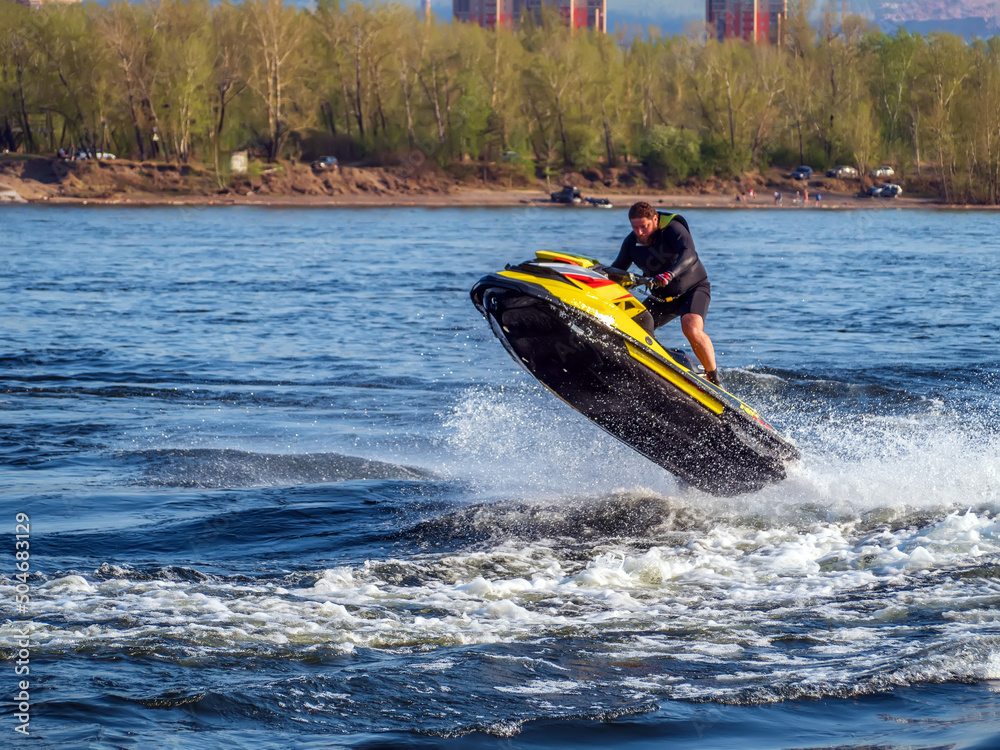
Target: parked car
(885,190)
(94,155)
(802,173)
(882,172)
(568,194)
(843,172)
(325,162)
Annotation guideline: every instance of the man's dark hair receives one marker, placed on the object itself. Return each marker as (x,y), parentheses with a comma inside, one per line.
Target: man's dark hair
(641,210)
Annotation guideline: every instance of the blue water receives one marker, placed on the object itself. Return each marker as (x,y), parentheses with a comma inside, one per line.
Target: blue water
(285,489)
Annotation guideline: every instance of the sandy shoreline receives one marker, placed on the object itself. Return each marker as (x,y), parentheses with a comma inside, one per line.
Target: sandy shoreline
(484,198)
(14,190)
(38,180)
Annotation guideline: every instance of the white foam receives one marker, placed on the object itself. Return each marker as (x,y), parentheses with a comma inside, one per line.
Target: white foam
(68,585)
(716,587)
(541,687)
(727,567)
(990,669)
(520,440)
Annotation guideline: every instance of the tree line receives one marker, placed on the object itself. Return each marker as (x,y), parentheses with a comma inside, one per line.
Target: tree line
(188,80)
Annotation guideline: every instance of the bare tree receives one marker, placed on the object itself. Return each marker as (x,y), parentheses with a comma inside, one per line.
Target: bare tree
(275,32)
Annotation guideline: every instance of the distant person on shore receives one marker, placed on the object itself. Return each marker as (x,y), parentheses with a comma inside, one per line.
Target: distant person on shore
(661,245)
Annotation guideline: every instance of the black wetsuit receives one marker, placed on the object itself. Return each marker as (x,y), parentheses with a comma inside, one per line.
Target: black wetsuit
(671,249)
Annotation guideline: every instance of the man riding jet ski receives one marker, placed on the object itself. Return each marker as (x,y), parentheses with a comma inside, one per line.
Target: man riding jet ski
(582,335)
(662,246)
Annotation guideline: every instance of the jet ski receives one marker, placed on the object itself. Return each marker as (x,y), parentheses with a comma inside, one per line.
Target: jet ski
(575,329)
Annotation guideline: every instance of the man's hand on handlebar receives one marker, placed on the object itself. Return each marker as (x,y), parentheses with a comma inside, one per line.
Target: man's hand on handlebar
(626,278)
(619,276)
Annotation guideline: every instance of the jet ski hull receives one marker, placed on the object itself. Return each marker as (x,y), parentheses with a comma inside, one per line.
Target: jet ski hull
(639,395)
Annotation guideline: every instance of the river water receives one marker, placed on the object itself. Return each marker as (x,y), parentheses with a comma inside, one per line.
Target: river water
(285,489)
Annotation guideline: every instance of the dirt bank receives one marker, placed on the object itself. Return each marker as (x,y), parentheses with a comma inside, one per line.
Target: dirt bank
(42,180)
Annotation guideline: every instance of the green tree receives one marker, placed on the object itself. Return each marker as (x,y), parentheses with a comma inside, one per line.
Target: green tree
(670,155)
(977,117)
(800,102)
(723,85)
(770,78)
(839,57)
(947,60)
(19,52)
(605,94)
(274,33)
(77,66)
(894,68)
(230,68)
(184,52)
(501,73)
(800,35)
(551,81)
(861,135)
(127,30)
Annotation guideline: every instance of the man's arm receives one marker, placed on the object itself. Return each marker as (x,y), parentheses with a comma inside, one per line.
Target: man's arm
(678,238)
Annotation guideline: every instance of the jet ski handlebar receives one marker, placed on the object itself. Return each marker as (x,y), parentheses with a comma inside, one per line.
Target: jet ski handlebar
(625,278)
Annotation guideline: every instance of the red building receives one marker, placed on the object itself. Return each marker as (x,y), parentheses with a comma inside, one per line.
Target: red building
(578,14)
(757,21)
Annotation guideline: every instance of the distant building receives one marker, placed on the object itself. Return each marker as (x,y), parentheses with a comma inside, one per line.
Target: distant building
(486,13)
(756,21)
(506,14)
(39,3)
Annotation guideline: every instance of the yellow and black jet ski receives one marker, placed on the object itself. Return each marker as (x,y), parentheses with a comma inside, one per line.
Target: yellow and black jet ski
(575,330)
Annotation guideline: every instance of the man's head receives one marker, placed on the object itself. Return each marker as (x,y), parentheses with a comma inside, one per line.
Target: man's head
(644,221)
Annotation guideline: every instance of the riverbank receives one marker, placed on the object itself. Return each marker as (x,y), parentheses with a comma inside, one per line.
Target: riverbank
(499,198)
(120,182)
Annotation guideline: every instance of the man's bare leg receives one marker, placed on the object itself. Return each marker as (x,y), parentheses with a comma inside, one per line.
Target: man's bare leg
(693,326)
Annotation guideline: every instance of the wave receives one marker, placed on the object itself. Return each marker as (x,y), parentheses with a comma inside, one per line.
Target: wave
(866,451)
(231,468)
(712,611)
(576,521)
